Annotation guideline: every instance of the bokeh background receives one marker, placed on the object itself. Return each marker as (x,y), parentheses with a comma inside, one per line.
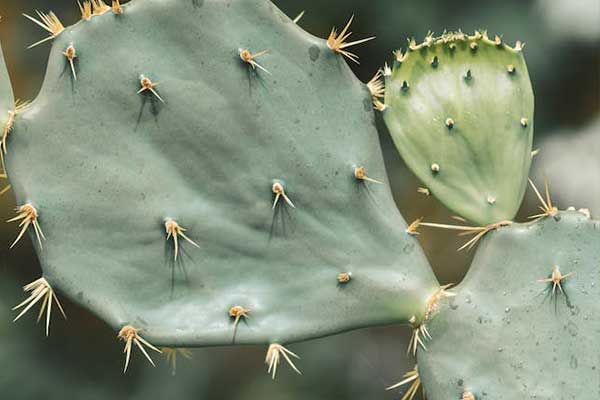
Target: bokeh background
(82,358)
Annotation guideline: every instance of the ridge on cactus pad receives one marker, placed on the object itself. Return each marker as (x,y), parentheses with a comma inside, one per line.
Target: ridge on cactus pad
(184,130)
(460,111)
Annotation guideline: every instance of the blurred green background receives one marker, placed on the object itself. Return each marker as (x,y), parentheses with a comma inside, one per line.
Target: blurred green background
(82,358)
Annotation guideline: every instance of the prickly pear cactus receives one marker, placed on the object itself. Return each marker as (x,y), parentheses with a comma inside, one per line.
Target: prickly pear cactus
(224,185)
(460,111)
(208,189)
(523,321)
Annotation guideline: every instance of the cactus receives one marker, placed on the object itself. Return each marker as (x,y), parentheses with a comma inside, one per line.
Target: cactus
(223,186)
(522,321)
(472,154)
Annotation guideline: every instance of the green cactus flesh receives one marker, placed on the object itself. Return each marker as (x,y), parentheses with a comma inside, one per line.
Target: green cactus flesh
(6,94)
(460,111)
(105,166)
(506,335)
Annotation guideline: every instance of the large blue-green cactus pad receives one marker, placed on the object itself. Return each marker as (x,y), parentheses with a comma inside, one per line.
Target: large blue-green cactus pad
(460,111)
(506,335)
(105,166)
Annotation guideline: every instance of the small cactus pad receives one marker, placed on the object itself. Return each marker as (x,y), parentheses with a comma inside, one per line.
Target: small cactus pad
(465,104)
(510,332)
(245,156)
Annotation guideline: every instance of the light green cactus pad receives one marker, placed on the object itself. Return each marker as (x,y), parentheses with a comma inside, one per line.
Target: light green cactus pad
(506,335)
(106,166)
(460,111)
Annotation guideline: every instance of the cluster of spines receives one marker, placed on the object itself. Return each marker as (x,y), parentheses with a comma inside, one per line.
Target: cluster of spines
(451,38)
(547,208)
(420,335)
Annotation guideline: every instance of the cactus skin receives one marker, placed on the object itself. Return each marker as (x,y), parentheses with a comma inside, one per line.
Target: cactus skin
(501,337)
(105,166)
(7,102)
(469,124)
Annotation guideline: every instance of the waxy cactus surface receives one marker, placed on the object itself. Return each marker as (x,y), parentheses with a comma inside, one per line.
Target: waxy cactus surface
(202,162)
(460,111)
(513,333)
